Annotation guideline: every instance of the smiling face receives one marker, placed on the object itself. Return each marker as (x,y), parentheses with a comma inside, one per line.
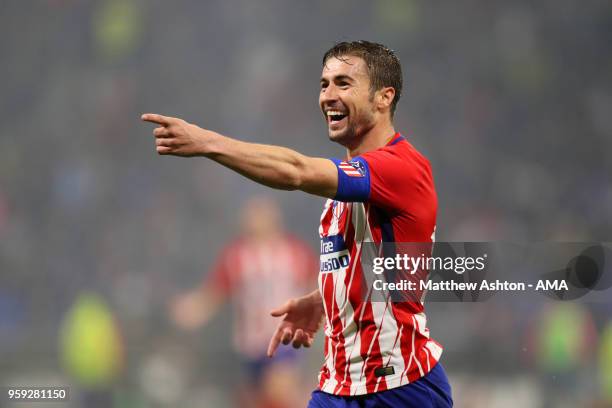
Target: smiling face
(346,99)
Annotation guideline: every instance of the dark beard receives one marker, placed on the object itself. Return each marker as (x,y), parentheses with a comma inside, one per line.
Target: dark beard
(353,134)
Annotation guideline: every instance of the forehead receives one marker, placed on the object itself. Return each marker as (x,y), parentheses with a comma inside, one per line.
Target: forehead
(347,65)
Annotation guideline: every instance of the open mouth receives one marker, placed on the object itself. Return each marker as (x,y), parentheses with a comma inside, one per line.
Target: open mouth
(335,117)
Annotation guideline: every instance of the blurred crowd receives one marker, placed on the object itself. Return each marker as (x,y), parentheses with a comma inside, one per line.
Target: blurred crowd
(510,101)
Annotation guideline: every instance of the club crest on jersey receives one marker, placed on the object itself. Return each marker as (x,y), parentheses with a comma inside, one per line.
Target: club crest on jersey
(353,168)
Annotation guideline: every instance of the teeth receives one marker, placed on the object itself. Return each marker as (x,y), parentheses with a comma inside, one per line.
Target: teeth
(334,113)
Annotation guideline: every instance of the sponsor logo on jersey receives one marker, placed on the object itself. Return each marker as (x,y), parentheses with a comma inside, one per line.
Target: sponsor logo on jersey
(334,254)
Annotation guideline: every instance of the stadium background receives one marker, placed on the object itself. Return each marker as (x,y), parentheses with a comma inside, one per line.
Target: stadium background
(511,101)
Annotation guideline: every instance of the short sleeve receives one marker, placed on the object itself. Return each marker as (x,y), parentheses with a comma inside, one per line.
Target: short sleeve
(393,179)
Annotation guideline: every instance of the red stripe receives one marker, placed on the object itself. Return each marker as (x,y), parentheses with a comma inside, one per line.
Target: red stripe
(324,374)
(326,220)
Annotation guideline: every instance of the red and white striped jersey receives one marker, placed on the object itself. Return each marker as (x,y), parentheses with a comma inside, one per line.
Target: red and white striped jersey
(386,195)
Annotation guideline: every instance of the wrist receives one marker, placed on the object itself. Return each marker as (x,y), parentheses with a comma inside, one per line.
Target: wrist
(315,298)
(212,143)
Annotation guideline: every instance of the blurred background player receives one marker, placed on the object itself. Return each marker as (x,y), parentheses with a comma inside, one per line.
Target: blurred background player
(256,270)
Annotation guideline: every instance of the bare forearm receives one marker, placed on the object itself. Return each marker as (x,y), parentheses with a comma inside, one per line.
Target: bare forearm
(315,299)
(273,166)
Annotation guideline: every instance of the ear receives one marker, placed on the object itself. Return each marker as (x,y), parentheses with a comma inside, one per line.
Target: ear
(384,98)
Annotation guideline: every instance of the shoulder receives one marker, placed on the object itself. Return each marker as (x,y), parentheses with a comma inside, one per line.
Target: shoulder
(398,156)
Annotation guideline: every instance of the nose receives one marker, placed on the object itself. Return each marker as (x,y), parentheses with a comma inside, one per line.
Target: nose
(328,94)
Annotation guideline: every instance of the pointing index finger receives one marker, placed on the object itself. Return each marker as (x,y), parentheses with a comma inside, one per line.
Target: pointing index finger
(155,118)
(274,342)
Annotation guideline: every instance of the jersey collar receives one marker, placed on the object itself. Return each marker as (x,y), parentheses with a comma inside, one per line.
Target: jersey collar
(397,137)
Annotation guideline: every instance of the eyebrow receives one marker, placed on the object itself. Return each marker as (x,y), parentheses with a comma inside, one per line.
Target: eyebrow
(339,78)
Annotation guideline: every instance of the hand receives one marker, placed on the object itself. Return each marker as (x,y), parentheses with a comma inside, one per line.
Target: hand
(188,311)
(302,319)
(177,137)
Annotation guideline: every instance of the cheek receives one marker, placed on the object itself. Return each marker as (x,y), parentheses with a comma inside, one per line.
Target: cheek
(354,100)
(363,105)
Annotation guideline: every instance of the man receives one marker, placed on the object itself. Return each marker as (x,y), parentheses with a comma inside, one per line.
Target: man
(377,354)
(247,272)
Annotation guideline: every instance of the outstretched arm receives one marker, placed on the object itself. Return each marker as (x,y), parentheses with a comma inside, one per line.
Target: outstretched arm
(273,166)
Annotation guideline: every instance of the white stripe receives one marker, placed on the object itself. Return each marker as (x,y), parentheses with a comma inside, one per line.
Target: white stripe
(422,323)
(434,349)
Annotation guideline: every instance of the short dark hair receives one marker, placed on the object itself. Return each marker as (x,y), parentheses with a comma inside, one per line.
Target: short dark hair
(384,68)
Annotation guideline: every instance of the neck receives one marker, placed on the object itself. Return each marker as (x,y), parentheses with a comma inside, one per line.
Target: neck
(375,138)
